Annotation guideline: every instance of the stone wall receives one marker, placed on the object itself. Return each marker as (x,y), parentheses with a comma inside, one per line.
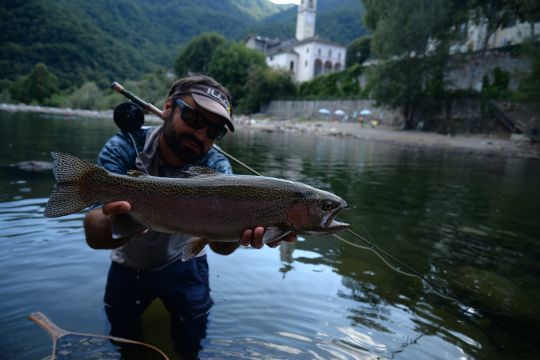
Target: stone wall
(467,70)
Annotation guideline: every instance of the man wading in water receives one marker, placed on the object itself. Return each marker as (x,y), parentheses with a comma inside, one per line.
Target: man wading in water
(149,266)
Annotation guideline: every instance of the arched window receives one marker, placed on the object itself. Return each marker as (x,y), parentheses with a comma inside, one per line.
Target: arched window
(318,67)
(337,67)
(327,67)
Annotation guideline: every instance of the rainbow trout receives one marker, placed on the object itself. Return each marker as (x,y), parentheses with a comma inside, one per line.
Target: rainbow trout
(206,204)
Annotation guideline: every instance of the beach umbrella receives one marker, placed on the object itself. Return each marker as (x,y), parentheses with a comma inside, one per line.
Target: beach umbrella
(365,112)
(339,112)
(324,111)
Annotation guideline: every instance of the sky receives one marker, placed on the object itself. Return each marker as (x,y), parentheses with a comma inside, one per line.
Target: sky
(285,1)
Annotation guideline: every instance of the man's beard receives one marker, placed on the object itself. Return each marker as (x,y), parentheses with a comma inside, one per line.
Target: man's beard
(177,144)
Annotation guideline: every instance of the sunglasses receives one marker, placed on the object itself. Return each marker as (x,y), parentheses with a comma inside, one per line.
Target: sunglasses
(196,120)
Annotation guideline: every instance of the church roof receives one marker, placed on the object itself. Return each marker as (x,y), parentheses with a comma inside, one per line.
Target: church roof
(318,40)
(288,46)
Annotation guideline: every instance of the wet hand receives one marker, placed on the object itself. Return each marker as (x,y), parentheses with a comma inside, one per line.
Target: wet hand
(253,238)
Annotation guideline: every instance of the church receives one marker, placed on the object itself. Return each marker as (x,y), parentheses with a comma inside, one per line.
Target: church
(307,55)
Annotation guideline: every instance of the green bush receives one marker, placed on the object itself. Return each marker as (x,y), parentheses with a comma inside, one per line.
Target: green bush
(263,85)
(498,88)
(529,88)
(37,87)
(342,84)
(153,87)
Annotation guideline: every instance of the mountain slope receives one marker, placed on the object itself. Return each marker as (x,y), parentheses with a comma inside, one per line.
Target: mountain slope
(102,40)
(76,50)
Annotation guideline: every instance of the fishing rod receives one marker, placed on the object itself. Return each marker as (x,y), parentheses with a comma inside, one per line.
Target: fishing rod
(130,116)
(137,100)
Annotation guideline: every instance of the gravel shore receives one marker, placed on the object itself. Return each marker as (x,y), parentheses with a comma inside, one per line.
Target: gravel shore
(518,146)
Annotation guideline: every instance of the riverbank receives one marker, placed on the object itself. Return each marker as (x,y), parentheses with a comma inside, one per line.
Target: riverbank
(479,144)
(515,146)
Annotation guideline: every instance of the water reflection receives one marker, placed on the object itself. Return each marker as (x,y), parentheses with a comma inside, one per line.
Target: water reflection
(468,224)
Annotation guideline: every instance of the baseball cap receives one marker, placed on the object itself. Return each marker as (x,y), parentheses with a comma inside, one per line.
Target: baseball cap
(211,99)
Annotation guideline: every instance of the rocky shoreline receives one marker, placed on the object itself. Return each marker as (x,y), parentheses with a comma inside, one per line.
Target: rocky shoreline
(513,146)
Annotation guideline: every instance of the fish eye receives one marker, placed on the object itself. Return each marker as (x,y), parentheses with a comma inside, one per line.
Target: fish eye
(328,205)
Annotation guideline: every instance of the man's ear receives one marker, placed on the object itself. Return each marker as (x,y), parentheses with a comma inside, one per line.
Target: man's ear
(168,103)
(167,107)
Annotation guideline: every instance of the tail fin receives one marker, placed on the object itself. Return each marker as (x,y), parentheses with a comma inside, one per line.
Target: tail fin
(66,197)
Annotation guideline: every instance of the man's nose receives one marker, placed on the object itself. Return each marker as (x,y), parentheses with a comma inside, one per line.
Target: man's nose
(202,133)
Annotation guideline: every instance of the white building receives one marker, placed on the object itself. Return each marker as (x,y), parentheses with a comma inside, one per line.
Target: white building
(514,33)
(307,55)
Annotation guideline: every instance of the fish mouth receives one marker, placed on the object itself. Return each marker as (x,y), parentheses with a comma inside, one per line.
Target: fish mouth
(329,225)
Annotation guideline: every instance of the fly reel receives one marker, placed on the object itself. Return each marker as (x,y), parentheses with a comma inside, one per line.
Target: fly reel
(128,116)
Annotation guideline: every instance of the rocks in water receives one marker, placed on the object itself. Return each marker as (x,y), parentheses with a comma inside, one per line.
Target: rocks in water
(34,165)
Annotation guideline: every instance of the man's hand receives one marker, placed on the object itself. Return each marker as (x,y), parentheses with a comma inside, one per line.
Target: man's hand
(254,237)
(97,225)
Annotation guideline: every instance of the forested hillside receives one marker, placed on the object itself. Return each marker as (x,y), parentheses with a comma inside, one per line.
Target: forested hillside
(100,40)
(97,40)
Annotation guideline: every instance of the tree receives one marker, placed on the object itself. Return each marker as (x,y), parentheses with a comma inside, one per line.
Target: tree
(88,96)
(38,86)
(529,11)
(359,50)
(265,84)
(529,88)
(493,14)
(196,55)
(411,41)
(230,65)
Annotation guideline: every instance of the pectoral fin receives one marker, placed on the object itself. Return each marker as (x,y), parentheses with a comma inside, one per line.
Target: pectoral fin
(125,225)
(274,233)
(193,247)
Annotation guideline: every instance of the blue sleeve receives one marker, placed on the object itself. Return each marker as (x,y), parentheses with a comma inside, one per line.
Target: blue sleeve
(215,160)
(118,154)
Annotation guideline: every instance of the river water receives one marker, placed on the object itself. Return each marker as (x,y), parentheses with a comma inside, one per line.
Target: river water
(469,224)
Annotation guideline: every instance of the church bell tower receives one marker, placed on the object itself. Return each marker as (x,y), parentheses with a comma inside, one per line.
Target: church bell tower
(305,21)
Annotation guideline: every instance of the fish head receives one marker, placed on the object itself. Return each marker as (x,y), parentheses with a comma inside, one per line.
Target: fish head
(314,213)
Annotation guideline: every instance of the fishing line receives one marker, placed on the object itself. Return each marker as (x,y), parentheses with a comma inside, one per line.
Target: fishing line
(236,160)
(137,153)
(413,273)
(382,253)
(377,251)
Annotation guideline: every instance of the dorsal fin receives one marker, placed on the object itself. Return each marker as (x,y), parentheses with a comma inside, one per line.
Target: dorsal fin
(201,171)
(135,173)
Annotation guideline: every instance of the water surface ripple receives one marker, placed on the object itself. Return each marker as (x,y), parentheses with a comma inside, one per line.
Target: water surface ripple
(467,223)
